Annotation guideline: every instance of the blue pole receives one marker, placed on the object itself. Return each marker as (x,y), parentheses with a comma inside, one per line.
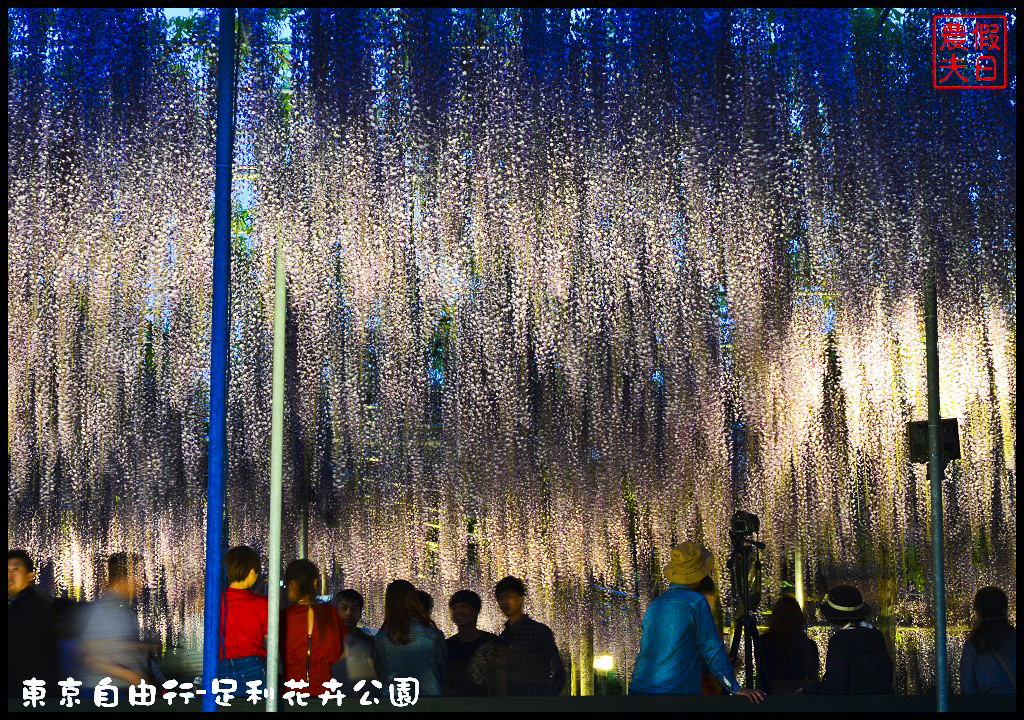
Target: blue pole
(219,357)
(936,465)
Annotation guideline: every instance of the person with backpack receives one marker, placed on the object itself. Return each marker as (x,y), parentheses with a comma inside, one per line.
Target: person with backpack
(857,661)
(988,663)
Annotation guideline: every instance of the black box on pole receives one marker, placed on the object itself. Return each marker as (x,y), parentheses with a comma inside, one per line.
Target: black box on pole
(917,439)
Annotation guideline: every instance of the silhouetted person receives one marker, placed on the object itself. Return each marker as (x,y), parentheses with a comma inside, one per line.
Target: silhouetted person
(31,644)
(427,601)
(357,662)
(533,665)
(110,630)
(679,632)
(313,635)
(857,661)
(66,626)
(409,643)
(475,667)
(790,658)
(243,653)
(988,664)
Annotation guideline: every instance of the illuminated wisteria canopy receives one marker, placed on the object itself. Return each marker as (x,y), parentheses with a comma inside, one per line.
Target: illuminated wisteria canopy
(564,287)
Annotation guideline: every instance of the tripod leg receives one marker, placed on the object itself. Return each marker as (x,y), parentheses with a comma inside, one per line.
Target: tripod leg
(748,652)
(762,679)
(737,631)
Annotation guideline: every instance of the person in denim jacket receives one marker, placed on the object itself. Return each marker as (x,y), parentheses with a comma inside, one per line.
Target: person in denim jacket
(679,632)
(409,645)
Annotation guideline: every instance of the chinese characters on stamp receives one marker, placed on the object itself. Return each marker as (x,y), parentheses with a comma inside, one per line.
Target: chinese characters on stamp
(969,52)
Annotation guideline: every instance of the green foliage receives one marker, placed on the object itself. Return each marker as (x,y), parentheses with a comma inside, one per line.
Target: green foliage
(475,271)
(183,29)
(83,304)
(981,549)
(865,550)
(444,335)
(914,566)
(241,228)
(241,220)
(284,105)
(280,14)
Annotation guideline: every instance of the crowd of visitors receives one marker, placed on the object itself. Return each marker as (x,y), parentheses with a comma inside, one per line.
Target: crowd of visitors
(682,648)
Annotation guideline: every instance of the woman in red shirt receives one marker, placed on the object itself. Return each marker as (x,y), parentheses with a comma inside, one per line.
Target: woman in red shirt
(312,631)
(243,653)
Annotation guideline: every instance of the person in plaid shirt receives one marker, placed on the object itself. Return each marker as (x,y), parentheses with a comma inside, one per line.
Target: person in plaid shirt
(533,664)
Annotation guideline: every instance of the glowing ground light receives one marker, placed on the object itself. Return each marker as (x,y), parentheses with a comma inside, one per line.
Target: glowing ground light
(577,297)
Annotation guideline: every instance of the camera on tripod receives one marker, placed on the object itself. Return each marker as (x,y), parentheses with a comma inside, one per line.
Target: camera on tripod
(744,563)
(744,523)
(745,567)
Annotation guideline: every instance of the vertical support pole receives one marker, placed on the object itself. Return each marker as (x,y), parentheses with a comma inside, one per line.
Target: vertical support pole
(587,660)
(885,619)
(798,579)
(574,686)
(304,506)
(936,465)
(276,448)
(219,357)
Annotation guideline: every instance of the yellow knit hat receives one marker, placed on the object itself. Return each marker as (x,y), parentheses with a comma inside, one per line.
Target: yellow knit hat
(689,564)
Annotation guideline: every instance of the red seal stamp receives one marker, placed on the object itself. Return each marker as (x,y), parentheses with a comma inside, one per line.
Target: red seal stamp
(969,52)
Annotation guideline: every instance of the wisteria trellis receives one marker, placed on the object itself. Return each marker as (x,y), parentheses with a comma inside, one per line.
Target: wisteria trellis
(563,288)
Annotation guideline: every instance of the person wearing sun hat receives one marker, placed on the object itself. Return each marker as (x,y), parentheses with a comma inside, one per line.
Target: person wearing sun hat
(679,632)
(857,661)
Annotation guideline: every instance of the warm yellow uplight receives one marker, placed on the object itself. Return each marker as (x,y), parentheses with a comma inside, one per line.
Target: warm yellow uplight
(604,662)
